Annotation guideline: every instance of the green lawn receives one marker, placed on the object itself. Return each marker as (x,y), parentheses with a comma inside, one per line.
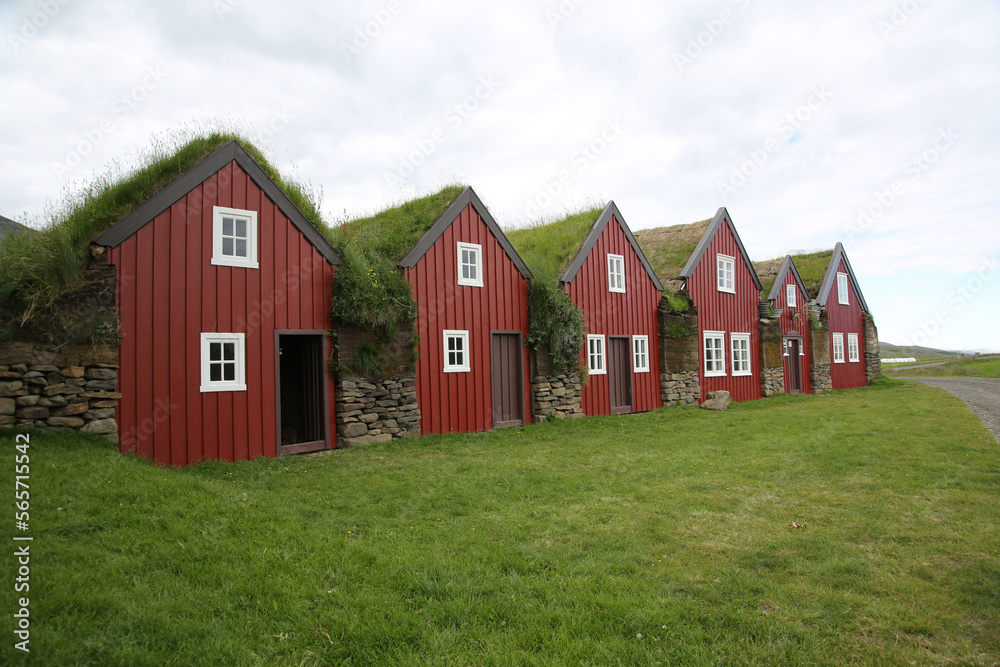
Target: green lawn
(858,527)
(982,367)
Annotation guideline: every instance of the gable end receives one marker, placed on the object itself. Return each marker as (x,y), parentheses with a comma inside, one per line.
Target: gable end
(721,216)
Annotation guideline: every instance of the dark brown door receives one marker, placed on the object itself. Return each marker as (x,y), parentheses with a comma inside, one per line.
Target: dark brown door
(794,366)
(507,367)
(620,374)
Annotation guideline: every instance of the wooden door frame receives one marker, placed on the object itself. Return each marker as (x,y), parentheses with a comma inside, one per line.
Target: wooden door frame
(520,376)
(630,372)
(315,445)
(799,356)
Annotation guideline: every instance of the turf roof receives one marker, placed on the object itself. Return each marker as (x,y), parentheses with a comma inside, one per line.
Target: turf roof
(811,266)
(548,249)
(668,249)
(392,233)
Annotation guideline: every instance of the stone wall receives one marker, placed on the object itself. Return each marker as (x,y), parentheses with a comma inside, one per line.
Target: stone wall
(376,410)
(679,363)
(557,395)
(873,361)
(680,388)
(77,397)
(819,340)
(772,356)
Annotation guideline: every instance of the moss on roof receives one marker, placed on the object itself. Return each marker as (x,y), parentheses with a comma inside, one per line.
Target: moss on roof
(668,249)
(548,249)
(812,269)
(35,269)
(767,271)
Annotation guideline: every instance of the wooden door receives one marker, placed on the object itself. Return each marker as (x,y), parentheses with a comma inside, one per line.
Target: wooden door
(506,373)
(301,400)
(619,374)
(794,366)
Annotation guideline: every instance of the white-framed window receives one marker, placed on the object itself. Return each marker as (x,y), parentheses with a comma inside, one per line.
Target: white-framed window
(853,351)
(790,295)
(223,362)
(740,347)
(234,237)
(456,351)
(715,353)
(838,348)
(640,354)
(842,293)
(725,269)
(616,273)
(595,354)
(470,264)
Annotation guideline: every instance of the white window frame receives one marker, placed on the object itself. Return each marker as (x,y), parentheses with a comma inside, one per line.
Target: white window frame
(725,273)
(718,368)
(616,273)
(838,348)
(596,354)
(790,296)
(219,259)
(853,350)
(477,250)
(238,383)
(843,296)
(640,354)
(459,335)
(742,341)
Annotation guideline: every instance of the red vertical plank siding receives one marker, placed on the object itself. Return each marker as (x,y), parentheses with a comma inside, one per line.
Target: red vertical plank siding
(732,313)
(615,314)
(802,328)
(845,319)
(169,293)
(462,402)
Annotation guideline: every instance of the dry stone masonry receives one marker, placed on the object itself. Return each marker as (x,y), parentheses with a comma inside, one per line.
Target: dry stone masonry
(376,410)
(680,388)
(556,396)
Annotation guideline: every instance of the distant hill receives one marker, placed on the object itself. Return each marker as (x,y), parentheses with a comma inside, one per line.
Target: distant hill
(890,351)
(8,226)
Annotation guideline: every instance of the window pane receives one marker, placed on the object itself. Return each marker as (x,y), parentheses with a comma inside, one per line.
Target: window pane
(227,246)
(229,351)
(214,351)
(241,248)
(227,226)
(215,372)
(230,371)
(241,228)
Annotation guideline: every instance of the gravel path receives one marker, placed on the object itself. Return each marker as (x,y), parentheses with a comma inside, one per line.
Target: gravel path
(982,395)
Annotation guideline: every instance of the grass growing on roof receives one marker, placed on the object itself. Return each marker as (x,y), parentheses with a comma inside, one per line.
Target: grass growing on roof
(370,290)
(35,269)
(554,319)
(856,527)
(812,269)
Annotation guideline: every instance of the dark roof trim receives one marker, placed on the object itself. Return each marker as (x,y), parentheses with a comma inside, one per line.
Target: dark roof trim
(721,216)
(431,236)
(786,266)
(168,196)
(831,277)
(610,211)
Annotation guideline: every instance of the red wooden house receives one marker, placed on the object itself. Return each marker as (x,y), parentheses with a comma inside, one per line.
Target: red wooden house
(471,289)
(723,285)
(223,293)
(608,278)
(790,297)
(841,296)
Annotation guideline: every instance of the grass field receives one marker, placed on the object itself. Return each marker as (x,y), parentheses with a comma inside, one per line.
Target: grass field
(858,527)
(980,367)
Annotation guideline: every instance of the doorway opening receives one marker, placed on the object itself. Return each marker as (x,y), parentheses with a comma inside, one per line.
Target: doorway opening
(301,392)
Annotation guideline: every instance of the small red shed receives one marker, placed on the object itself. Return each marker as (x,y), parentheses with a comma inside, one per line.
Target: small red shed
(724,287)
(223,293)
(841,296)
(789,295)
(471,289)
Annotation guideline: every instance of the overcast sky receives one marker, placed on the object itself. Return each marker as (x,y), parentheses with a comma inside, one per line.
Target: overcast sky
(872,123)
